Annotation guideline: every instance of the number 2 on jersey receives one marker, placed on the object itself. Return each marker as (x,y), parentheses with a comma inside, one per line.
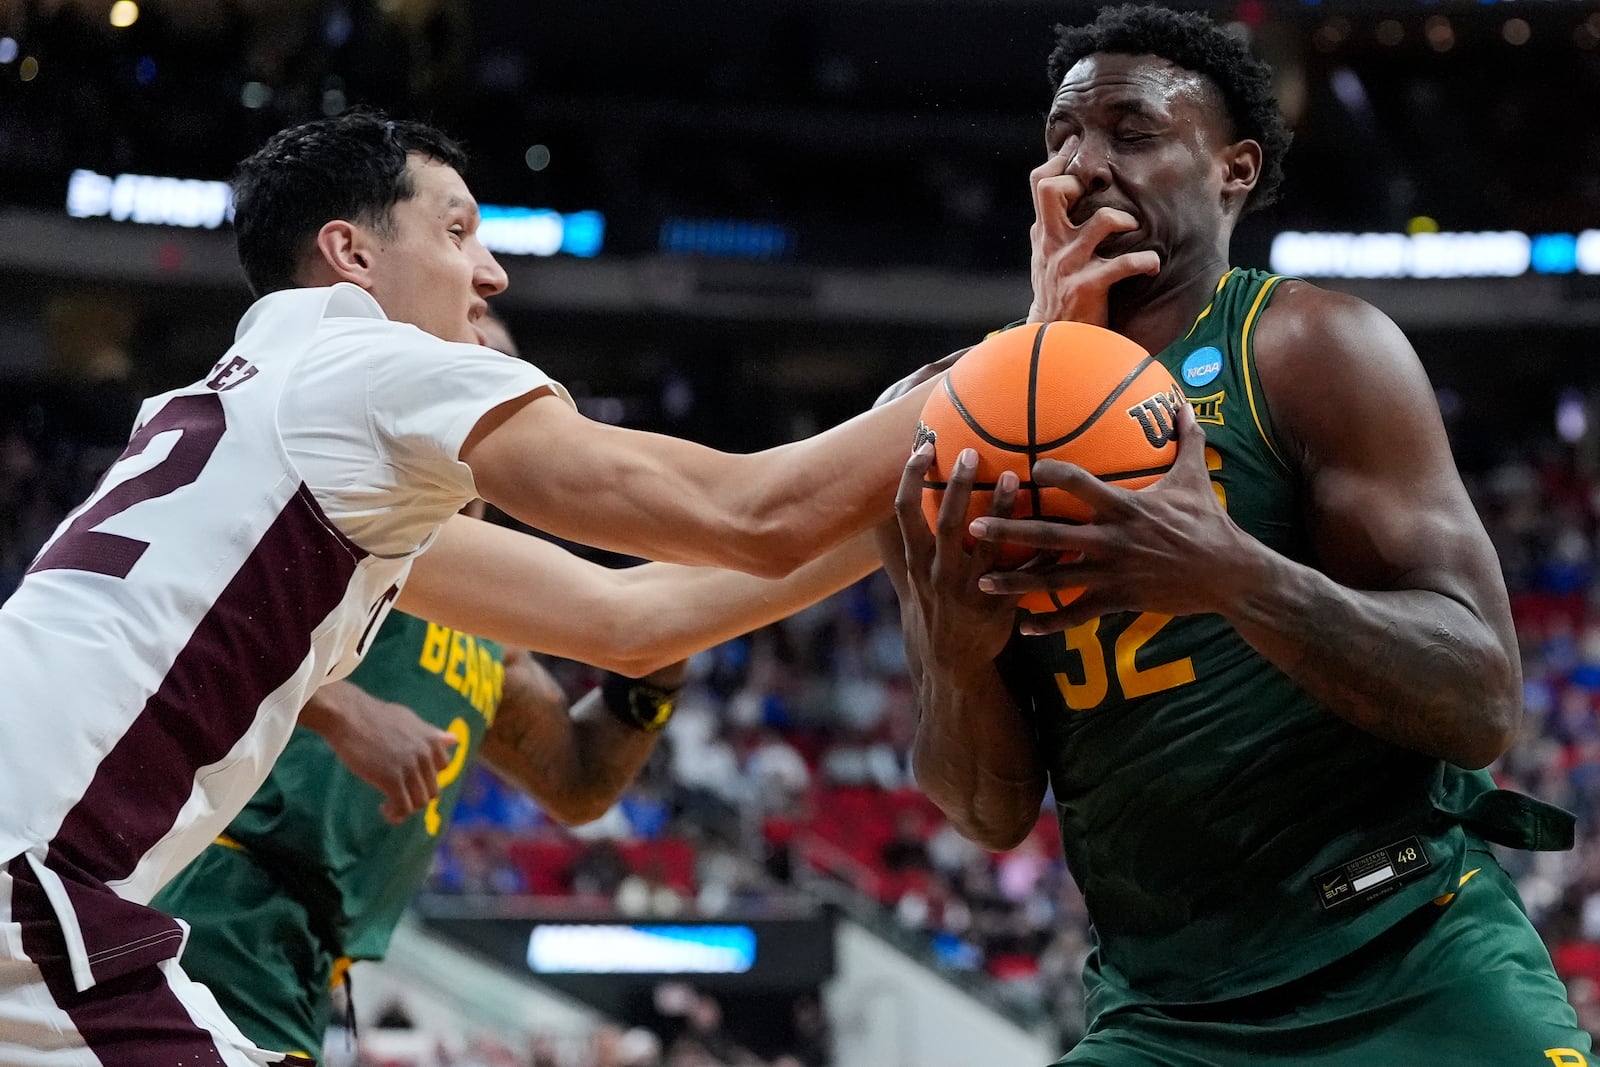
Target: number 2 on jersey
(431,819)
(199,422)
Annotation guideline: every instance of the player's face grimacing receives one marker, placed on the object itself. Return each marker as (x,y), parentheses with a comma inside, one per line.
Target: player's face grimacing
(431,270)
(1142,136)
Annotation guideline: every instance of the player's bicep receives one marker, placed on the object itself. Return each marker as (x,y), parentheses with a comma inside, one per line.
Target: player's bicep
(1386,506)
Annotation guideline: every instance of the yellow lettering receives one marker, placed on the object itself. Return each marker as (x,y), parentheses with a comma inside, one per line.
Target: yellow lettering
(1085,641)
(497,690)
(469,679)
(431,819)
(1138,682)
(483,695)
(434,647)
(1566,1057)
(1135,681)
(1214,464)
(458,657)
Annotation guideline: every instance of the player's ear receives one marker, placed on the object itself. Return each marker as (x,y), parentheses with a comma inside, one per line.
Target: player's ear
(341,248)
(1241,169)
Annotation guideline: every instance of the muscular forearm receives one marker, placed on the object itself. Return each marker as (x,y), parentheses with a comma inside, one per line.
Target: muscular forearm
(684,610)
(1413,667)
(975,757)
(806,497)
(663,498)
(576,782)
(528,593)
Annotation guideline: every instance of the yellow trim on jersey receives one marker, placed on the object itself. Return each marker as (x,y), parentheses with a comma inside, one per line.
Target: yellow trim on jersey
(227,842)
(1198,319)
(1448,897)
(1244,365)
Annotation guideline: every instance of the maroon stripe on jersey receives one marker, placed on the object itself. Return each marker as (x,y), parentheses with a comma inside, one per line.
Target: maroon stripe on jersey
(248,644)
(135,1020)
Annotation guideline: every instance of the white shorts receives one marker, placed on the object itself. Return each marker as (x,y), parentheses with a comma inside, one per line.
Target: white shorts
(155,1016)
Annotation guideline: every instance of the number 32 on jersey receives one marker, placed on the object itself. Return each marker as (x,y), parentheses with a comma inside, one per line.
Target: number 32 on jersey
(1088,687)
(1092,684)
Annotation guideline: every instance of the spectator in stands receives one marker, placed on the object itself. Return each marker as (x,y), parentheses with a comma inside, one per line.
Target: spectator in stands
(776,773)
(906,850)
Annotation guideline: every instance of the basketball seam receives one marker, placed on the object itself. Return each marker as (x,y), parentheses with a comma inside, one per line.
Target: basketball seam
(1033,415)
(966,416)
(1094,416)
(1032,448)
(1031,485)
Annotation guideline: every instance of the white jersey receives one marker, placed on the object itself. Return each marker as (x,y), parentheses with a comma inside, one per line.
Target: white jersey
(240,553)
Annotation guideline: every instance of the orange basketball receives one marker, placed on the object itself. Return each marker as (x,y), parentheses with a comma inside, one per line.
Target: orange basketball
(1058,390)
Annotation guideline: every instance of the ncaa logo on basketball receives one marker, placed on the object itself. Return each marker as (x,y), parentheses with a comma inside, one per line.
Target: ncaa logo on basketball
(1202,366)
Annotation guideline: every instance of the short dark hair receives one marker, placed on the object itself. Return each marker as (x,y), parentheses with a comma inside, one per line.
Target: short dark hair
(1194,42)
(352,166)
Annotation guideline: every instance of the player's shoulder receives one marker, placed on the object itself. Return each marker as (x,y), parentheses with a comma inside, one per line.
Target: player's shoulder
(1306,326)
(1322,354)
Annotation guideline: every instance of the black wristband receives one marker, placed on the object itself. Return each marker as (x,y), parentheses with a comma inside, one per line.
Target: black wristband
(638,703)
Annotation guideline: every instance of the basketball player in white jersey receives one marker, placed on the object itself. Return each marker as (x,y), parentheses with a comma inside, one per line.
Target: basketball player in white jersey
(263,520)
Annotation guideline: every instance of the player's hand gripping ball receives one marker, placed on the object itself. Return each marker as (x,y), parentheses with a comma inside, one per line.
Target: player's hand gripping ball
(1058,390)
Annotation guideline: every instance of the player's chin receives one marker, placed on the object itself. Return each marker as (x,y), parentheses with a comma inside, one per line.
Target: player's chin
(475,335)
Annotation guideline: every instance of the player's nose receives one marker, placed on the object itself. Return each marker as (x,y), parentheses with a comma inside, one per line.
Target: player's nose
(1087,161)
(488,276)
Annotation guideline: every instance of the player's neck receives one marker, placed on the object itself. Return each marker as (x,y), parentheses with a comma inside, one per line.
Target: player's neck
(1157,311)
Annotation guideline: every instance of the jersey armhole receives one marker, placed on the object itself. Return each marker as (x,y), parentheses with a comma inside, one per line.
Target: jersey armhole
(1255,395)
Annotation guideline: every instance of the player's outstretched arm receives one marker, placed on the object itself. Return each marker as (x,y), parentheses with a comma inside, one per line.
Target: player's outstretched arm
(386,745)
(574,763)
(528,593)
(664,498)
(974,754)
(1403,625)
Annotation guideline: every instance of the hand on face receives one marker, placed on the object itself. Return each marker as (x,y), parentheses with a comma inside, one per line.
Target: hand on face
(1071,281)
(1169,548)
(953,623)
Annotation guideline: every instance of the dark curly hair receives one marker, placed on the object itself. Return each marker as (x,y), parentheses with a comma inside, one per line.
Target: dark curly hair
(1195,43)
(352,166)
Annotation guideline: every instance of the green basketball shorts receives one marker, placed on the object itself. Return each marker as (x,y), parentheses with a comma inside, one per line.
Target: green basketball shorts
(1464,981)
(251,943)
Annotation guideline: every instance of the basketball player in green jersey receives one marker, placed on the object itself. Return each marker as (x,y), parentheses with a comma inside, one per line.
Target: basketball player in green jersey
(1263,720)
(313,874)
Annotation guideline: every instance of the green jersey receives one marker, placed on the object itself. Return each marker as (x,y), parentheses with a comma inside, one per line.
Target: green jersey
(1230,833)
(317,827)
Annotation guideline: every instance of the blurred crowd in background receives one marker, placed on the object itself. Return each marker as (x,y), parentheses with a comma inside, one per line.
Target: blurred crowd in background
(921,121)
